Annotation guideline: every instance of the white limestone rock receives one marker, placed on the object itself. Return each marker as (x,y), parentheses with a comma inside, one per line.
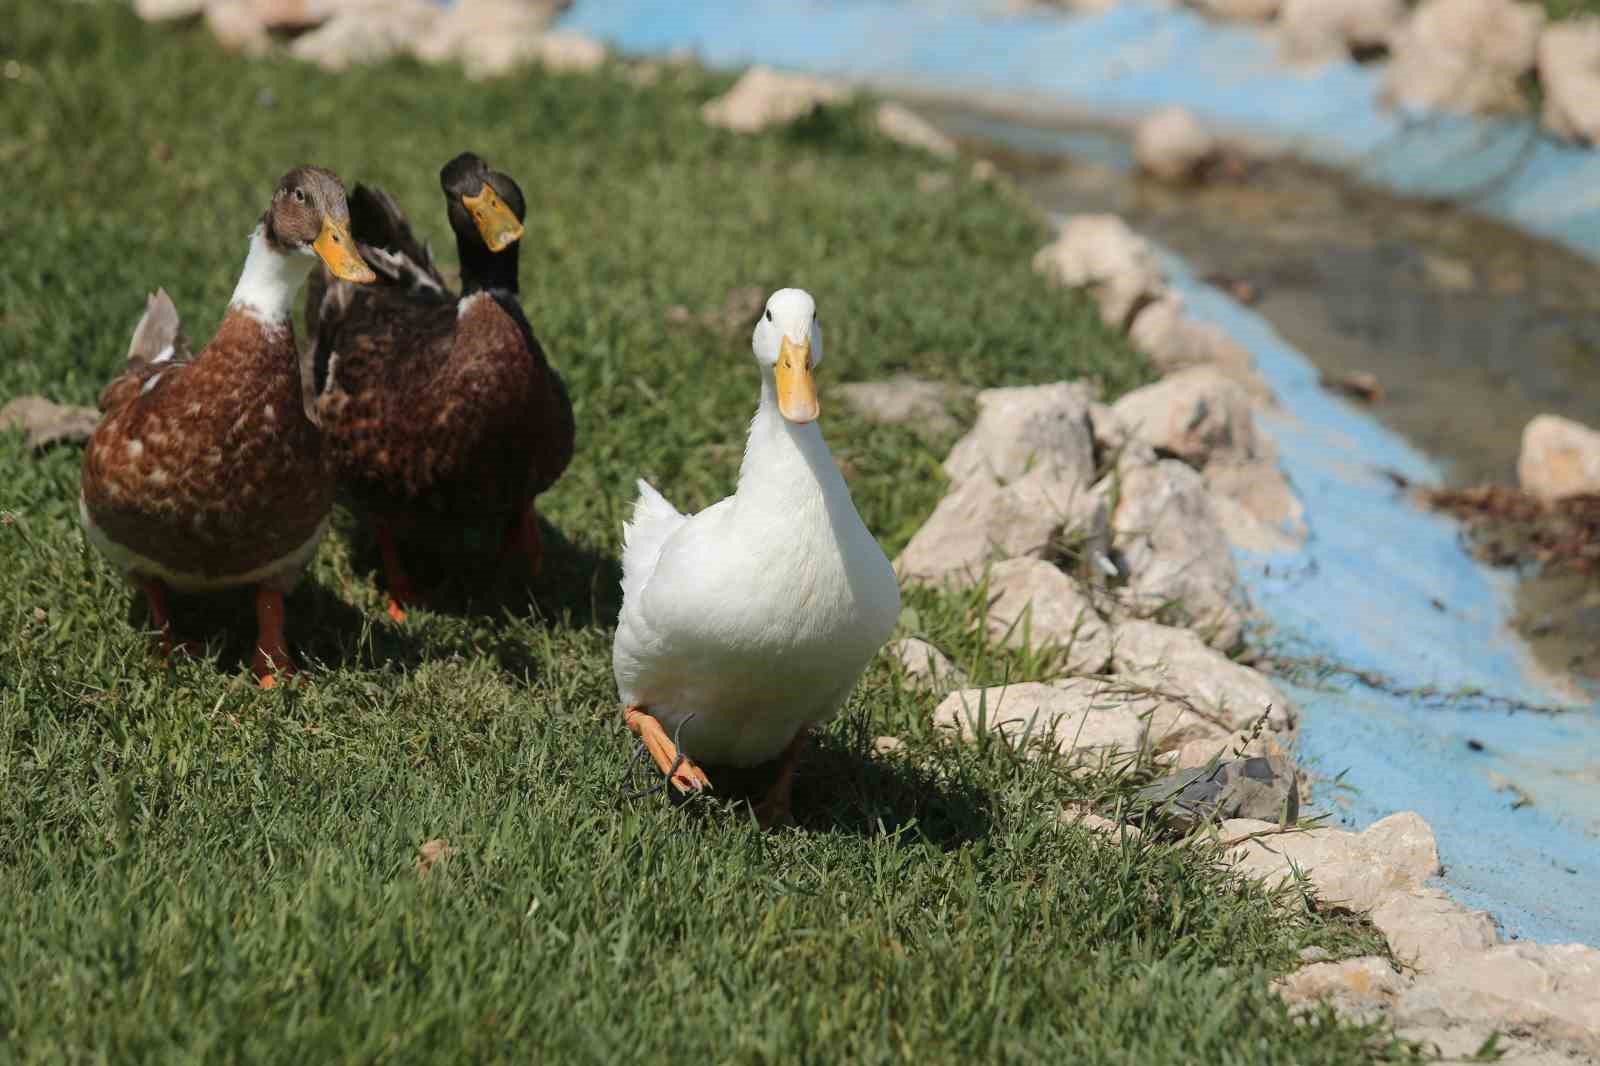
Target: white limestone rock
(1465,56)
(764,97)
(1171,145)
(1559,458)
(904,126)
(1177,661)
(1033,604)
(1101,254)
(1177,557)
(1569,75)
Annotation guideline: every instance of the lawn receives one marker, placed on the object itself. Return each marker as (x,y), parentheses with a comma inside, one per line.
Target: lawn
(194,870)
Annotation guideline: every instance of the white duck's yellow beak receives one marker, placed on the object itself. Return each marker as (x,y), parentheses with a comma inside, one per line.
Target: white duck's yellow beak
(797,390)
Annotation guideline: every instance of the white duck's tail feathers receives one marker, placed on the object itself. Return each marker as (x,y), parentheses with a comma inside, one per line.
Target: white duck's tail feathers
(654,520)
(159,335)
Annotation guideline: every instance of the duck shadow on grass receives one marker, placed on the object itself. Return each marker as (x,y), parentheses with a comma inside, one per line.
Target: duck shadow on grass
(322,629)
(839,787)
(576,586)
(462,572)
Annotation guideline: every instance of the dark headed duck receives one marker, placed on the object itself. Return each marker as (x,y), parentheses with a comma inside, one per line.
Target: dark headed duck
(437,407)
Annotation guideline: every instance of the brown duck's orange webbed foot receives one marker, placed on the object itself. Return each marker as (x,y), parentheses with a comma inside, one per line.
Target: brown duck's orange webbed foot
(402,593)
(775,808)
(685,776)
(271,661)
(523,538)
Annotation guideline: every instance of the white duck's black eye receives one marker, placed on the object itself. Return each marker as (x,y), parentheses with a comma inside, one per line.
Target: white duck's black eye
(769,314)
(299,196)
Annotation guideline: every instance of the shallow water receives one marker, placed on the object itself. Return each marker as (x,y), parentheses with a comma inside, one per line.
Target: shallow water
(1469,328)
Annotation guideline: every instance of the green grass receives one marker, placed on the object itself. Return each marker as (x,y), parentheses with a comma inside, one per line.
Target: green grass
(1563,9)
(193,870)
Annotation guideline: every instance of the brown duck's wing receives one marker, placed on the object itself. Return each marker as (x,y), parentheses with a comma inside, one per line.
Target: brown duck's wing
(158,346)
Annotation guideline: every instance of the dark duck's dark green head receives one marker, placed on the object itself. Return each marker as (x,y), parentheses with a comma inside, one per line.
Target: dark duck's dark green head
(486,211)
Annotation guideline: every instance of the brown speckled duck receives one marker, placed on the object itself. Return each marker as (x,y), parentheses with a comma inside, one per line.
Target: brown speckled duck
(438,408)
(204,472)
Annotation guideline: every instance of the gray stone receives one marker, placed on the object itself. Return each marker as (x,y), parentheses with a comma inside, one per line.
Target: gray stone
(1171,145)
(763,97)
(44,423)
(1243,10)
(1549,990)
(1033,604)
(1259,788)
(1429,930)
(1028,428)
(1196,415)
(1101,254)
(1315,31)
(1353,870)
(904,401)
(1255,506)
(1569,77)
(1360,989)
(1467,56)
(904,126)
(1559,458)
(1173,340)
(1176,555)
(981,520)
(364,33)
(1084,718)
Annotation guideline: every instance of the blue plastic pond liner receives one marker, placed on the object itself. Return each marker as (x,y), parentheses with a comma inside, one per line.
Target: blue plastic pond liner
(1128,61)
(1362,592)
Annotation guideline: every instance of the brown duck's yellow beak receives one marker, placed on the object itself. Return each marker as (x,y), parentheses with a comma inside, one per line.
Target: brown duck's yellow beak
(495,220)
(338,249)
(797,390)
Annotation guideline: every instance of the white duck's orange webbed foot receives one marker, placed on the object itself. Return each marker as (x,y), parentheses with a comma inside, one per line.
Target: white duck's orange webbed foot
(678,768)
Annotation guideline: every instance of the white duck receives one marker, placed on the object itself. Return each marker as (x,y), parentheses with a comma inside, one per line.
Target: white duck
(750,622)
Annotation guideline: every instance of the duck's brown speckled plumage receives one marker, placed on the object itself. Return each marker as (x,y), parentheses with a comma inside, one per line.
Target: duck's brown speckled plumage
(213,470)
(435,407)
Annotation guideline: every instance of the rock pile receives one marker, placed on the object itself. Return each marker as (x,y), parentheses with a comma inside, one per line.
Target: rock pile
(488,37)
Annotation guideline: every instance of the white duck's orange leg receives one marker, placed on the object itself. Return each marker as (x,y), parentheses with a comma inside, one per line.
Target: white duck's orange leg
(272,651)
(774,808)
(686,777)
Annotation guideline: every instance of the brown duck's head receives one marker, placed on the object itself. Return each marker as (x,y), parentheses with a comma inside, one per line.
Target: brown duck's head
(309,216)
(486,207)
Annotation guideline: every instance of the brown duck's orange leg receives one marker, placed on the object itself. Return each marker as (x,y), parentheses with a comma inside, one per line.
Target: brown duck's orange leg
(686,777)
(774,808)
(272,651)
(155,598)
(523,538)
(402,592)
